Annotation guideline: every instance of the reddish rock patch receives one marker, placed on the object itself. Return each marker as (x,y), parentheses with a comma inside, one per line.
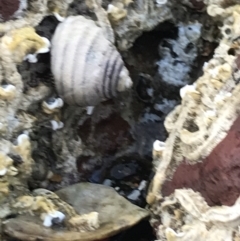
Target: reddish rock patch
(8,8)
(108,135)
(217,178)
(112,133)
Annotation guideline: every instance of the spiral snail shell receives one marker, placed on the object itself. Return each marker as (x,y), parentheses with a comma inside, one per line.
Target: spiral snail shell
(86,66)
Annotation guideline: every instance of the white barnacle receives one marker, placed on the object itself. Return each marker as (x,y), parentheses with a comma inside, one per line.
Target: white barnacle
(187,88)
(58,17)
(56,125)
(158,145)
(22,138)
(3,171)
(31,58)
(7,91)
(23,147)
(161,2)
(111,8)
(52,105)
(48,217)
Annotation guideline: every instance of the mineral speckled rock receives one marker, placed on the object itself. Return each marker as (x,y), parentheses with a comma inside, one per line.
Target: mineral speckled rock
(115,214)
(217,178)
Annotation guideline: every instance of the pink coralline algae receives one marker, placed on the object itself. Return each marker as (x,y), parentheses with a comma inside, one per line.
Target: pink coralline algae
(8,8)
(217,177)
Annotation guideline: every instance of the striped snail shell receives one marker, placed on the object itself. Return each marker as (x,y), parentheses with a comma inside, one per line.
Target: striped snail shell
(86,66)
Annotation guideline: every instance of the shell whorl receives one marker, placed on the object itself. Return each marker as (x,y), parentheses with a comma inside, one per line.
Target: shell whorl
(86,66)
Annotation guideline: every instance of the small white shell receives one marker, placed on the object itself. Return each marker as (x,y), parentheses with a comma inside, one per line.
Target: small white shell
(86,66)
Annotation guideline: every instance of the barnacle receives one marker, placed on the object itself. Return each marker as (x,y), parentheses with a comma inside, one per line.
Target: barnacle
(116,13)
(5,163)
(56,125)
(7,92)
(23,147)
(52,105)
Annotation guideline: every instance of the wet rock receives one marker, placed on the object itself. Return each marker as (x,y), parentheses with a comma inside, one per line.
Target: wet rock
(121,171)
(217,178)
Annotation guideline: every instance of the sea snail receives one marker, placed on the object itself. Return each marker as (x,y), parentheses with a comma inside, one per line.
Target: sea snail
(86,65)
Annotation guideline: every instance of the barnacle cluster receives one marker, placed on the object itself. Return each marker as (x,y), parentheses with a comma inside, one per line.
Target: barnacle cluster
(186,216)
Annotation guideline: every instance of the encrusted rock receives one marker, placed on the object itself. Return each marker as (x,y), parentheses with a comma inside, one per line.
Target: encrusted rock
(208,109)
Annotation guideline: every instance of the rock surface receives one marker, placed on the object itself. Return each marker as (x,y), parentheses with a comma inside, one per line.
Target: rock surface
(217,178)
